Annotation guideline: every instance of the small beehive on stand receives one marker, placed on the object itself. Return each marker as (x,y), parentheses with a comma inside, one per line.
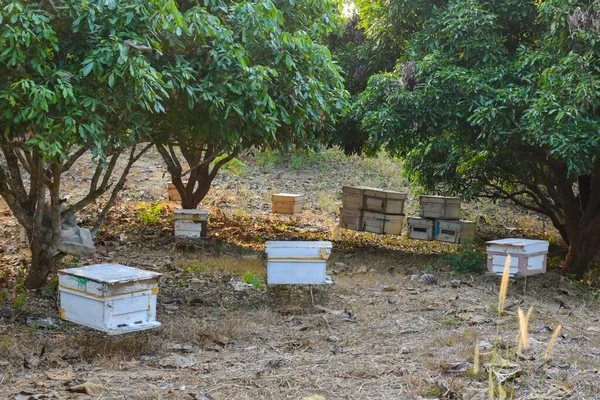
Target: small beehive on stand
(287,203)
(190,224)
(439,207)
(528,257)
(420,228)
(300,263)
(109,297)
(454,231)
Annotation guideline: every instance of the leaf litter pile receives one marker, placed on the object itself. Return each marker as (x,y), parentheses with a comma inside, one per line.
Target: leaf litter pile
(397,323)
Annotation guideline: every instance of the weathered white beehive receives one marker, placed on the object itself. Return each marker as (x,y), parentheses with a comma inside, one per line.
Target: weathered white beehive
(439,207)
(454,231)
(384,201)
(301,263)
(287,203)
(528,257)
(190,223)
(351,218)
(382,223)
(420,228)
(109,297)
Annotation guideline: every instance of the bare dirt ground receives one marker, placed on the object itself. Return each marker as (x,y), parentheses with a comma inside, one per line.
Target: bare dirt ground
(380,332)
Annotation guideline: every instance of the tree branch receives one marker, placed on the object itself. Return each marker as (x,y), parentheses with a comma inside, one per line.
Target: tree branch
(55,204)
(94,192)
(171,166)
(174,157)
(16,179)
(19,212)
(20,153)
(73,158)
(219,164)
(118,187)
(199,165)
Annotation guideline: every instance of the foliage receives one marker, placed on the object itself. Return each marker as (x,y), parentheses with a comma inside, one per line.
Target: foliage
(266,159)
(71,76)
(74,77)
(494,99)
(4,295)
(253,280)
(16,297)
(196,269)
(51,289)
(469,260)
(150,213)
(245,74)
(233,167)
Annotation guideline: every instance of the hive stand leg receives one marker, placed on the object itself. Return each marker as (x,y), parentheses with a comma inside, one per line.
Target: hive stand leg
(312,299)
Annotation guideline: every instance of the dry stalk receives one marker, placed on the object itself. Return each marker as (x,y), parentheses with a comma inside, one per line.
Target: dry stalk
(551,344)
(504,285)
(476,357)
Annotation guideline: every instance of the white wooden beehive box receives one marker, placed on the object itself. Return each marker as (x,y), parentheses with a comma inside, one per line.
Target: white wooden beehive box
(190,223)
(351,218)
(287,203)
(439,207)
(454,231)
(300,263)
(528,256)
(384,201)
(112,298)
(382,223)
(420,228)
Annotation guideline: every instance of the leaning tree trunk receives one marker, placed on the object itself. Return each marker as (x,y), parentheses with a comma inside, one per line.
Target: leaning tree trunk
(42,222)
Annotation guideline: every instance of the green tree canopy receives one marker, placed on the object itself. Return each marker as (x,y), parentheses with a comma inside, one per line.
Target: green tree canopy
(497,99)
(245,74)
(75,76)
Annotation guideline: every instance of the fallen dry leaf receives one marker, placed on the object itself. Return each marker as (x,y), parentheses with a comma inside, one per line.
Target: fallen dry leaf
(60,377)
(462,366)
(593,329)
(176,361)
(93,389)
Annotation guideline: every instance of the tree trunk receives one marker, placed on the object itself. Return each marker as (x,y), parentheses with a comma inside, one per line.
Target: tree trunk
(42,258)
(202,170)
(584,246)
(188,203)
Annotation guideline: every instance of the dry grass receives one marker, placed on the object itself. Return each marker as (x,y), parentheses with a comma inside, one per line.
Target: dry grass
(218,264)
(327,202)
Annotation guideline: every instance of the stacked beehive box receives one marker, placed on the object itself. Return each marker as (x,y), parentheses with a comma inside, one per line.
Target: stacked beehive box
(440,220)
(372,210)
